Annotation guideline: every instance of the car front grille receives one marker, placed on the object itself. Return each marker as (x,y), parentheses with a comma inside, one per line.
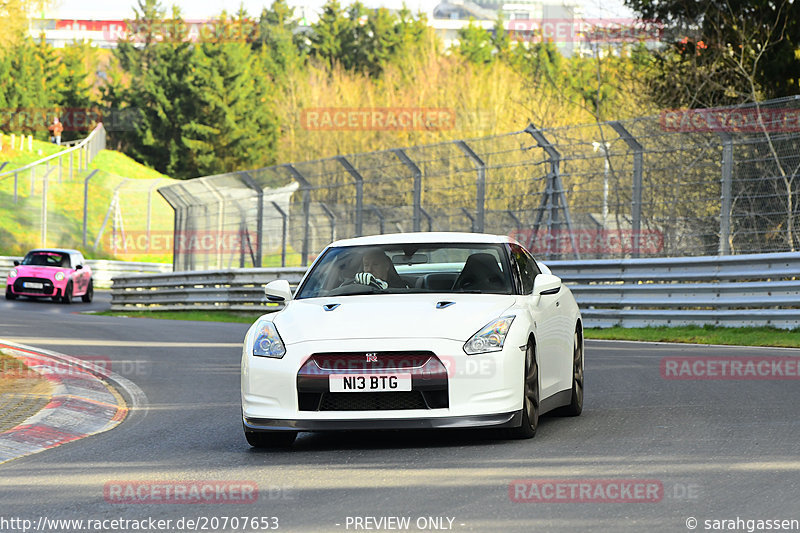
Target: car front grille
(371,401)
(47,289)
(429,387)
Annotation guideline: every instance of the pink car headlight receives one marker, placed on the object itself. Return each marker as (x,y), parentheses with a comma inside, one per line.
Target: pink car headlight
(13,273)
(59,276)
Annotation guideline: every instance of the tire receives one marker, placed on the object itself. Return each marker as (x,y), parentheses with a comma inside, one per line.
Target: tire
(87,297)
(67,297)
(10,295)
(575,406)
(270,439)
(530,397)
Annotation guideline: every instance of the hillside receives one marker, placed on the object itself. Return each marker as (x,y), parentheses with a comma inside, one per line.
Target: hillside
(21,222)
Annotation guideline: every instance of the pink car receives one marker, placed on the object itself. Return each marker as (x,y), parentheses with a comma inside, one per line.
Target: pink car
(51,273)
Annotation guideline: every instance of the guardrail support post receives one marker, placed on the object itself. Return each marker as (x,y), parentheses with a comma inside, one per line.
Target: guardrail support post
(636,203)
(726,199)
(284,232)
(417,191)
(250,182)
(305,186)
(480,188)
(359,181)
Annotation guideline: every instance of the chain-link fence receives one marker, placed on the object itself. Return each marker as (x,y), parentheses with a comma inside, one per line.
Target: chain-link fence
(685,182)
(61,201)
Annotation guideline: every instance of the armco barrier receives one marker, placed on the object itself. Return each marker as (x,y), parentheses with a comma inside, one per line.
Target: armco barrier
(102,271)
(743,290)
(233,289)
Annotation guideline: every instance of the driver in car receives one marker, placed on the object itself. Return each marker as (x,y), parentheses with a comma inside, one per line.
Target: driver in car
(378,271)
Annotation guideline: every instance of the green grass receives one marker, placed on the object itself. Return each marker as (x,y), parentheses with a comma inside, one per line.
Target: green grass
(200,316)
(20,227)
(702,335)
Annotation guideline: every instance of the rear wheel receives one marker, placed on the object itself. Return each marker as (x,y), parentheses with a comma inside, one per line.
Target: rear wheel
(530,397)
(575,406)
(87,297)
(270,439)
(10,295)
(67,297)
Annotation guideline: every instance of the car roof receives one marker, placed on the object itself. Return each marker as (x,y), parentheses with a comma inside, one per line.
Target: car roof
(56,250)
(424,237)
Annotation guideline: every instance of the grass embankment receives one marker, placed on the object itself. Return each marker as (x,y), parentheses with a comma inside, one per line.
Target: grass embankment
(20,222)
(200,316)
(702,335)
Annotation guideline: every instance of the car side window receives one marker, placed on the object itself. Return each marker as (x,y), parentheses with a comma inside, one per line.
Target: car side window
(526,268)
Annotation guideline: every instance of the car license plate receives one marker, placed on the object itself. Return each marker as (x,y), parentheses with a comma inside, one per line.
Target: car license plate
(32,285)
(369,382)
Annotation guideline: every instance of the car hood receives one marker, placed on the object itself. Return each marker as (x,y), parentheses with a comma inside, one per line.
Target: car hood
(389,316)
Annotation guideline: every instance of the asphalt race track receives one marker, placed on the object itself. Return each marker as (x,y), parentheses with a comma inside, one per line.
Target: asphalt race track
(716,449)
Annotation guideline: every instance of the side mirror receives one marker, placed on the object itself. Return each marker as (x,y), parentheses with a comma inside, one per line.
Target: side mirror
(278,291)
(545,284)
(78,267)
(16,263)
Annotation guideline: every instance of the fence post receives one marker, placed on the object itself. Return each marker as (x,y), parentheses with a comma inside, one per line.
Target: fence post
(250,182)
(305,186)
(480,187)
(470,217)
(554,191)
(636,203)
(331,219)
(428,217)
(417,192)
(86,203)
(284,226)
(44,207)
(359,180)
(726,200)
(381,218)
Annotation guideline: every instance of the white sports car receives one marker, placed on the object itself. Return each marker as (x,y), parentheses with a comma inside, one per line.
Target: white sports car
(411,331)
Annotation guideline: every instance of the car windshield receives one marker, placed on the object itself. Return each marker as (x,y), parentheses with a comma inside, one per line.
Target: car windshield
(409,268)
(49,259)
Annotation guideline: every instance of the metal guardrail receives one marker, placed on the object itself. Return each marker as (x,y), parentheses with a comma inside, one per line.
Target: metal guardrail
(103,271)
(743,290)
(233,289)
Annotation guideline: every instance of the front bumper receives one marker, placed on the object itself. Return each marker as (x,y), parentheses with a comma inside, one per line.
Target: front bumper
(49,287)
(481,390)
(502,420)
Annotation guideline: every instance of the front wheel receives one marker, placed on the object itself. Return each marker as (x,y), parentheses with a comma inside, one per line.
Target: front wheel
(530,397)
(67,298)
(10,295)
(575,406)
(270,439)
(89,294)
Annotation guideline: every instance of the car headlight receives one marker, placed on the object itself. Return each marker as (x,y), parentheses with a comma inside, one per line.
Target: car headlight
(490,338)
(268,342)
(59,276)
(13,273)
